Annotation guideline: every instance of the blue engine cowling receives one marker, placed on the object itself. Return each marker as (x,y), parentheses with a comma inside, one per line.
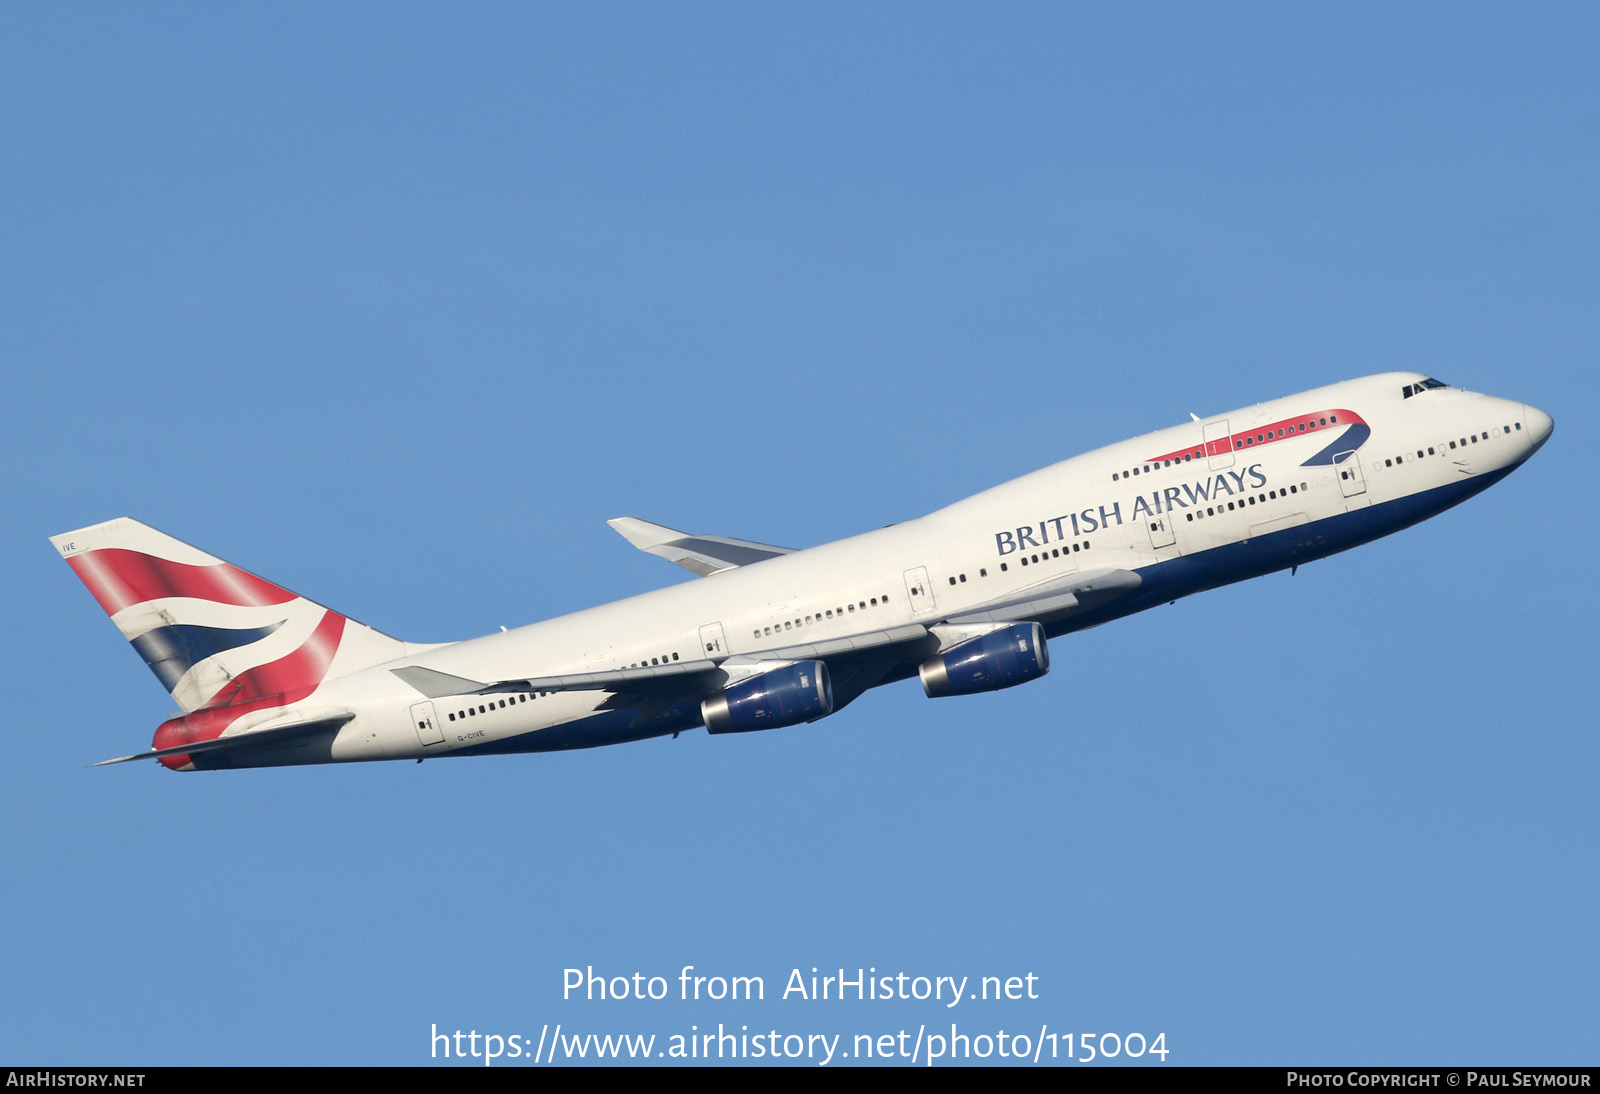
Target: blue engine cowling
(783,697)
(1000,659)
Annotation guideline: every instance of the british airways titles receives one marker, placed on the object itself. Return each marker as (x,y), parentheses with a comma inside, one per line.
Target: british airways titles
(1167,500)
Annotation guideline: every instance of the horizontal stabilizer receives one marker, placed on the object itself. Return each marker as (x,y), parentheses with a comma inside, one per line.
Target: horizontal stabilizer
(435,684)
(703,555)
(251,739)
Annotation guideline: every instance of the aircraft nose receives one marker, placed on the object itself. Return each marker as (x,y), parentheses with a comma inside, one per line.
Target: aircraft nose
(1540,424)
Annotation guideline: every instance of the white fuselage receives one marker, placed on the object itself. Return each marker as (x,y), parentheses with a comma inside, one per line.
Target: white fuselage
(1188,508)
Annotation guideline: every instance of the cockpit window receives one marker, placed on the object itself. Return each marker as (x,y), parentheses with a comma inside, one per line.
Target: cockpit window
(1426,385)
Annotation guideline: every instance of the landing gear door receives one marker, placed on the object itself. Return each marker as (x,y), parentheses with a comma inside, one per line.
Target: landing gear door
(713,646)
(1219,444)
(920,590)
(427,723)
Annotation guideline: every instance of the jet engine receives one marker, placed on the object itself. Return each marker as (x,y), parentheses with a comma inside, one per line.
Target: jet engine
(1000,659)
(799,692)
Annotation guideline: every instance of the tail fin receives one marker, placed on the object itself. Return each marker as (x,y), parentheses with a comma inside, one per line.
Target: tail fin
(214,634)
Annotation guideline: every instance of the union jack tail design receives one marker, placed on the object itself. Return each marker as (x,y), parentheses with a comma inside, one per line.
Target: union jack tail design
(216,636)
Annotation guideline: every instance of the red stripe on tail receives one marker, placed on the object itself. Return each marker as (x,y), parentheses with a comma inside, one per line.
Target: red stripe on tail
(119,578)
(278,683)
(298,672)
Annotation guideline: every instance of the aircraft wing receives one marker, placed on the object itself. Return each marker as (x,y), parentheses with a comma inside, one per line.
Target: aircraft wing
(678,678)
(1053,601)
(856,662)
(703,555)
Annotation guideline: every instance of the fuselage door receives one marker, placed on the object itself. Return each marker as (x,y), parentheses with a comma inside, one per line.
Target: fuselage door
(427,723)
(713,646)
(1219,444)
(1348,467)
(920,590)
(1160,528)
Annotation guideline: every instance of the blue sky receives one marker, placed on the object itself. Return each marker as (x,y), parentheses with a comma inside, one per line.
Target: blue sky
(396,305)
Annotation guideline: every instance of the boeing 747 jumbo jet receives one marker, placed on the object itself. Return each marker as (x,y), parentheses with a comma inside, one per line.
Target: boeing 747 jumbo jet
(964,598)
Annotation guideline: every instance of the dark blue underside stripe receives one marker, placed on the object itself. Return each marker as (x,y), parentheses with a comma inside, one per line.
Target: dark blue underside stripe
(1234,562)
(607,727)
(172,651)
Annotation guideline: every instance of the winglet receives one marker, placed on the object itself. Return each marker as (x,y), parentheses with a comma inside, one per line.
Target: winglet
(703,555)
(644,535)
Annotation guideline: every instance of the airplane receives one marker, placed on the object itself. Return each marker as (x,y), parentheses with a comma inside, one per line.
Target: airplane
(966,598)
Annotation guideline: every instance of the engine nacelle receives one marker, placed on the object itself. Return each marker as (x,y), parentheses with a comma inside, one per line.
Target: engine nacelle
(1001,659)
(800,692)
